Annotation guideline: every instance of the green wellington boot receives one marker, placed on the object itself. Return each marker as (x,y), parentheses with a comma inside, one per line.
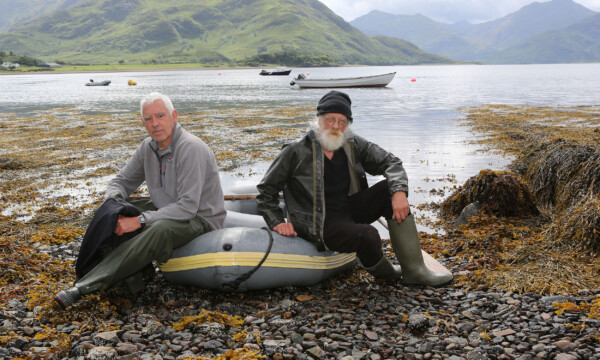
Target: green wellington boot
(407,247)
(68,297)
(385,270)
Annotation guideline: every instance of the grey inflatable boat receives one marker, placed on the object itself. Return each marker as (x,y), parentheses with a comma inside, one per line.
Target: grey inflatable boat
(244,255)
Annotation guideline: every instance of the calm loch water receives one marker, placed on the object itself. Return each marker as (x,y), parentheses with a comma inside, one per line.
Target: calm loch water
(416,120)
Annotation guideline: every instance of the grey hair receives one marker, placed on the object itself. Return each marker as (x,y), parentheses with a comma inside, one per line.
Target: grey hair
(314,124)
(152,97)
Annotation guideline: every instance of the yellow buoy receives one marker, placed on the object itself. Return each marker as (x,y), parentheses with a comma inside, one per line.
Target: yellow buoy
(131,82)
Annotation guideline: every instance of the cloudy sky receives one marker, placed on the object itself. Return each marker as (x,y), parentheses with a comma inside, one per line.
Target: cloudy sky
(449,11)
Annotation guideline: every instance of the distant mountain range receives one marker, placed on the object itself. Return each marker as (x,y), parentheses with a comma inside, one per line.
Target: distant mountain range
(220,31)
(551,32)
(171,31)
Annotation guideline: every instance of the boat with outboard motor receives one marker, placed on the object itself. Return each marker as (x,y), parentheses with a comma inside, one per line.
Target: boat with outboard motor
(100,83)
(278,71)
(360,81)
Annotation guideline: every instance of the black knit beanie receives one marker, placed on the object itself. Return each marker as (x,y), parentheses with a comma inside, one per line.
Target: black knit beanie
(335,102)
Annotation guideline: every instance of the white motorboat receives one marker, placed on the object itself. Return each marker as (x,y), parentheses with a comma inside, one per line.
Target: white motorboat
(361,81)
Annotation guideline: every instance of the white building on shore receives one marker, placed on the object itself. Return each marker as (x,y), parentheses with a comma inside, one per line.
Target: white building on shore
(8,64)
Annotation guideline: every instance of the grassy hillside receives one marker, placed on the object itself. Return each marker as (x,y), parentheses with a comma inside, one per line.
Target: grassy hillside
(13,12)
(173,31)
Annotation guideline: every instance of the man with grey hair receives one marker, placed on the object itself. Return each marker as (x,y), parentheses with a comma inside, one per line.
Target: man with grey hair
(330,203)
(186,200)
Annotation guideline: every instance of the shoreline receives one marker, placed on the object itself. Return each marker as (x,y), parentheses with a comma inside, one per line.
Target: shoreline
(124,70)
(196,67)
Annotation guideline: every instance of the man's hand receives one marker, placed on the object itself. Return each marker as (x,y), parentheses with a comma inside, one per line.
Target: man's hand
(127,225)
(286,229)
(400,207)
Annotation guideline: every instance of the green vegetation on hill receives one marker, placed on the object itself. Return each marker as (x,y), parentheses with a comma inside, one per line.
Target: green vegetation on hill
(14,12)
(211,31)
(290,58)
(19,59)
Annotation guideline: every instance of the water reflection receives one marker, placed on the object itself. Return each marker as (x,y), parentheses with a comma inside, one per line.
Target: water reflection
(414,120)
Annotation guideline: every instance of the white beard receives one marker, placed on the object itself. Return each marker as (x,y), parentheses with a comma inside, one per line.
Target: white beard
(331,139)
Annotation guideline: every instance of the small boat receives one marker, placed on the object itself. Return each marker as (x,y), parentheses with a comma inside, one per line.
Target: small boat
(278,71)
(244,255)
(101,83)
(362,81)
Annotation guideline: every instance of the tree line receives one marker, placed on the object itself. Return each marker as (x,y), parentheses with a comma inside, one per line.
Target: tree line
(19,59)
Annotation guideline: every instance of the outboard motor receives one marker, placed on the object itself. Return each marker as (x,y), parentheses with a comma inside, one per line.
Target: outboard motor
(299,77)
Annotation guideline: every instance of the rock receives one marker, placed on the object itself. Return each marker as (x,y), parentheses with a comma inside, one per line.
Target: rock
(102,353)
(565,345)
(503,333)
(469,211)
(563,356)
(417,323)
(371,335)
(315,352)
(107,338)
(276,343)
(125,349)
(477,354)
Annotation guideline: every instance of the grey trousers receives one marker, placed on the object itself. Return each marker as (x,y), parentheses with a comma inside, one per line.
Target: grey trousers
(155,242)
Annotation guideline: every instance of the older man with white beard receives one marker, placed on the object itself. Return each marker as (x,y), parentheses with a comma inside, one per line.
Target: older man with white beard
(330,203)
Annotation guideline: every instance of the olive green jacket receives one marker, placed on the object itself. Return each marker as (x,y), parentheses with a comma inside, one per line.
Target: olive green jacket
(298,171)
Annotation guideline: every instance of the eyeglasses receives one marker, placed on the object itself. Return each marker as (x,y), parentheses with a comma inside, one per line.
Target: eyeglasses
(330,120)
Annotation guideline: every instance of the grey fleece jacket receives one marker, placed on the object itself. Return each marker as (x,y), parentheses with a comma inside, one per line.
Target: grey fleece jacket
(183,182)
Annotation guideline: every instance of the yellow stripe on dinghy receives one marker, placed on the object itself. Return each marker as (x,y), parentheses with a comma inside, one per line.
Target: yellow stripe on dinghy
(276,260)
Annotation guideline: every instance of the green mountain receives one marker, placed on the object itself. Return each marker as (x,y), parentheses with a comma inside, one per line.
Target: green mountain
(575,44)
(476,42)
(168,31)
(14,12)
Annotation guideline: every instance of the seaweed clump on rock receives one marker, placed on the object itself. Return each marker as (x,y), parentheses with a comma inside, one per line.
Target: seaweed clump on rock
(496,193)
(565,178)
(560,173)
(556,153)
(578,227)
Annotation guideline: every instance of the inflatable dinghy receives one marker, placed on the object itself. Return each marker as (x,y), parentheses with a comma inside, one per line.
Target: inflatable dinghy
(245,255)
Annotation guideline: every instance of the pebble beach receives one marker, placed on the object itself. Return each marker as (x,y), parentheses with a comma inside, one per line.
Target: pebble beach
(348,317)
(351,316)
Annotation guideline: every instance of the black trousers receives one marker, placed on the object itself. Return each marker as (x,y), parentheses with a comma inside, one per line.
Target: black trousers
(349,230)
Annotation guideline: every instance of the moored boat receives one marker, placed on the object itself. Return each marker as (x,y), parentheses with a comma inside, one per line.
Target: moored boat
(100,83)
(361,81)
(278,71)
